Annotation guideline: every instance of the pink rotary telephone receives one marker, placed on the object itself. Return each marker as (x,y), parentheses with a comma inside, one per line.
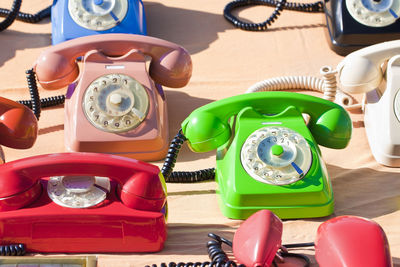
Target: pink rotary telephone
(113,105)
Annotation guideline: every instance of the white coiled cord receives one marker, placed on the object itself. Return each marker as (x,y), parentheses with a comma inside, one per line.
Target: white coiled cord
(327,85)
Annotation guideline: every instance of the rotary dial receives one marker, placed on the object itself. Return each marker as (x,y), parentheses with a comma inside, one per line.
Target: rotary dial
(78,191)
(374,13)
(276,155)
(115,103)
(98,15)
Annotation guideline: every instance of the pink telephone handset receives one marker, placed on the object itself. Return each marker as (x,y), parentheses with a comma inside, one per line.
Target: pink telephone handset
(115,106)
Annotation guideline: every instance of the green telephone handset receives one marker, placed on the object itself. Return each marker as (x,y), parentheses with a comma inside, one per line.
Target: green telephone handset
(267,157)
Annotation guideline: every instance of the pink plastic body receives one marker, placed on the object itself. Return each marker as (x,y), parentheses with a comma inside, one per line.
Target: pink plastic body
(349,241)
(258,239)
(170,65)
(148,141)
(18,125)
(131,219)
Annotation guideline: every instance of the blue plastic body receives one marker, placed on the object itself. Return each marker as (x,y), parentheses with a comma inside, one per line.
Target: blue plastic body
(64,28)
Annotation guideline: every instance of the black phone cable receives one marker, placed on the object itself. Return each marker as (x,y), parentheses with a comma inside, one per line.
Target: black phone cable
(24,17)
(215,252)
(36,104)
(11,15)
(12,250)
(315,7)
(182,177)
(219,258)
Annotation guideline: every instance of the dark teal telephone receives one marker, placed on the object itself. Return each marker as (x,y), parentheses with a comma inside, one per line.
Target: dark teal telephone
(267,156)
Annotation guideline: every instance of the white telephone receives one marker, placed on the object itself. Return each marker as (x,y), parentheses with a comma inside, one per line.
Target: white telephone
(361,72)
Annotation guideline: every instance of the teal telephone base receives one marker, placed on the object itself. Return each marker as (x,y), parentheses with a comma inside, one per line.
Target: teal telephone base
(240,195)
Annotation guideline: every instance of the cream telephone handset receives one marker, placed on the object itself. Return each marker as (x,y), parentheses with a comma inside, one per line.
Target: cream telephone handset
(113,104)
(361,72)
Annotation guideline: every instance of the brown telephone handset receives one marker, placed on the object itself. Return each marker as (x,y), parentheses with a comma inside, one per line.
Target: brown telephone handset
(113,105)
(18,125)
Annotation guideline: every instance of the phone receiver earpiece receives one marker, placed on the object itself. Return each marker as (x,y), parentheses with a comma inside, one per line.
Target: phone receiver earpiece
(137,194)
(258,239)
(359,75)
(18,125)
(55,71)
(206,132)
(173,69)
(351,241)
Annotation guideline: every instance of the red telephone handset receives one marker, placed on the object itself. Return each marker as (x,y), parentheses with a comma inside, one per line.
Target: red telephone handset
(18,125)
(113,105)
(352,241)
(74,211)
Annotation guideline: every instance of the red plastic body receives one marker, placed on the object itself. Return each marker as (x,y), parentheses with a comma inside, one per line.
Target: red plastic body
(348,241)
(137,224)
(258,239)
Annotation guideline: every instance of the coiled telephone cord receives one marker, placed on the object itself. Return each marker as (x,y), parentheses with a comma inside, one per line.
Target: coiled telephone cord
(36,103)
(327,85)
(219,258)
(11,16)
(12,250)
(14,14)
(279,6)
(182,177)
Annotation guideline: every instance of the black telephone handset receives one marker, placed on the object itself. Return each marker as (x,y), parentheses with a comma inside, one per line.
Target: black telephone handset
(354,24)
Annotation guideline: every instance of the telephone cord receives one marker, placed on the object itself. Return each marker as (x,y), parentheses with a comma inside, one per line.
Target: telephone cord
(219,258)
(12,250)
(216,254)
(25,17)
(11,15)
(279,6)
(36,103)
(182,177)
(327,85)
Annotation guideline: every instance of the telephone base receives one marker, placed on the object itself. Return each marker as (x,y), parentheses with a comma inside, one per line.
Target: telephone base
(110,226)
(143,156)
(382,125)
(283,212)
(346,35)
(240,195)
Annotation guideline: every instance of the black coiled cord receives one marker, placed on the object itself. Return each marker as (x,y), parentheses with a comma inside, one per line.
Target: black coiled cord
(36,103)
(215,252)
(11,15)
(182,177)
(25,17)
(12,250)
(34,92)
(279,6)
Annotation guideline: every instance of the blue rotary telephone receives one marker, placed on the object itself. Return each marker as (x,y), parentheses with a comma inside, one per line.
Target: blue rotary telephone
(71,19)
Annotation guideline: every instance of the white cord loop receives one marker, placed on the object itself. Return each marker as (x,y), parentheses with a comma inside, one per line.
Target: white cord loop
(327,85)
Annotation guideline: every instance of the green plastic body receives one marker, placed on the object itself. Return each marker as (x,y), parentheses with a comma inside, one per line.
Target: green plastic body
(226,124)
